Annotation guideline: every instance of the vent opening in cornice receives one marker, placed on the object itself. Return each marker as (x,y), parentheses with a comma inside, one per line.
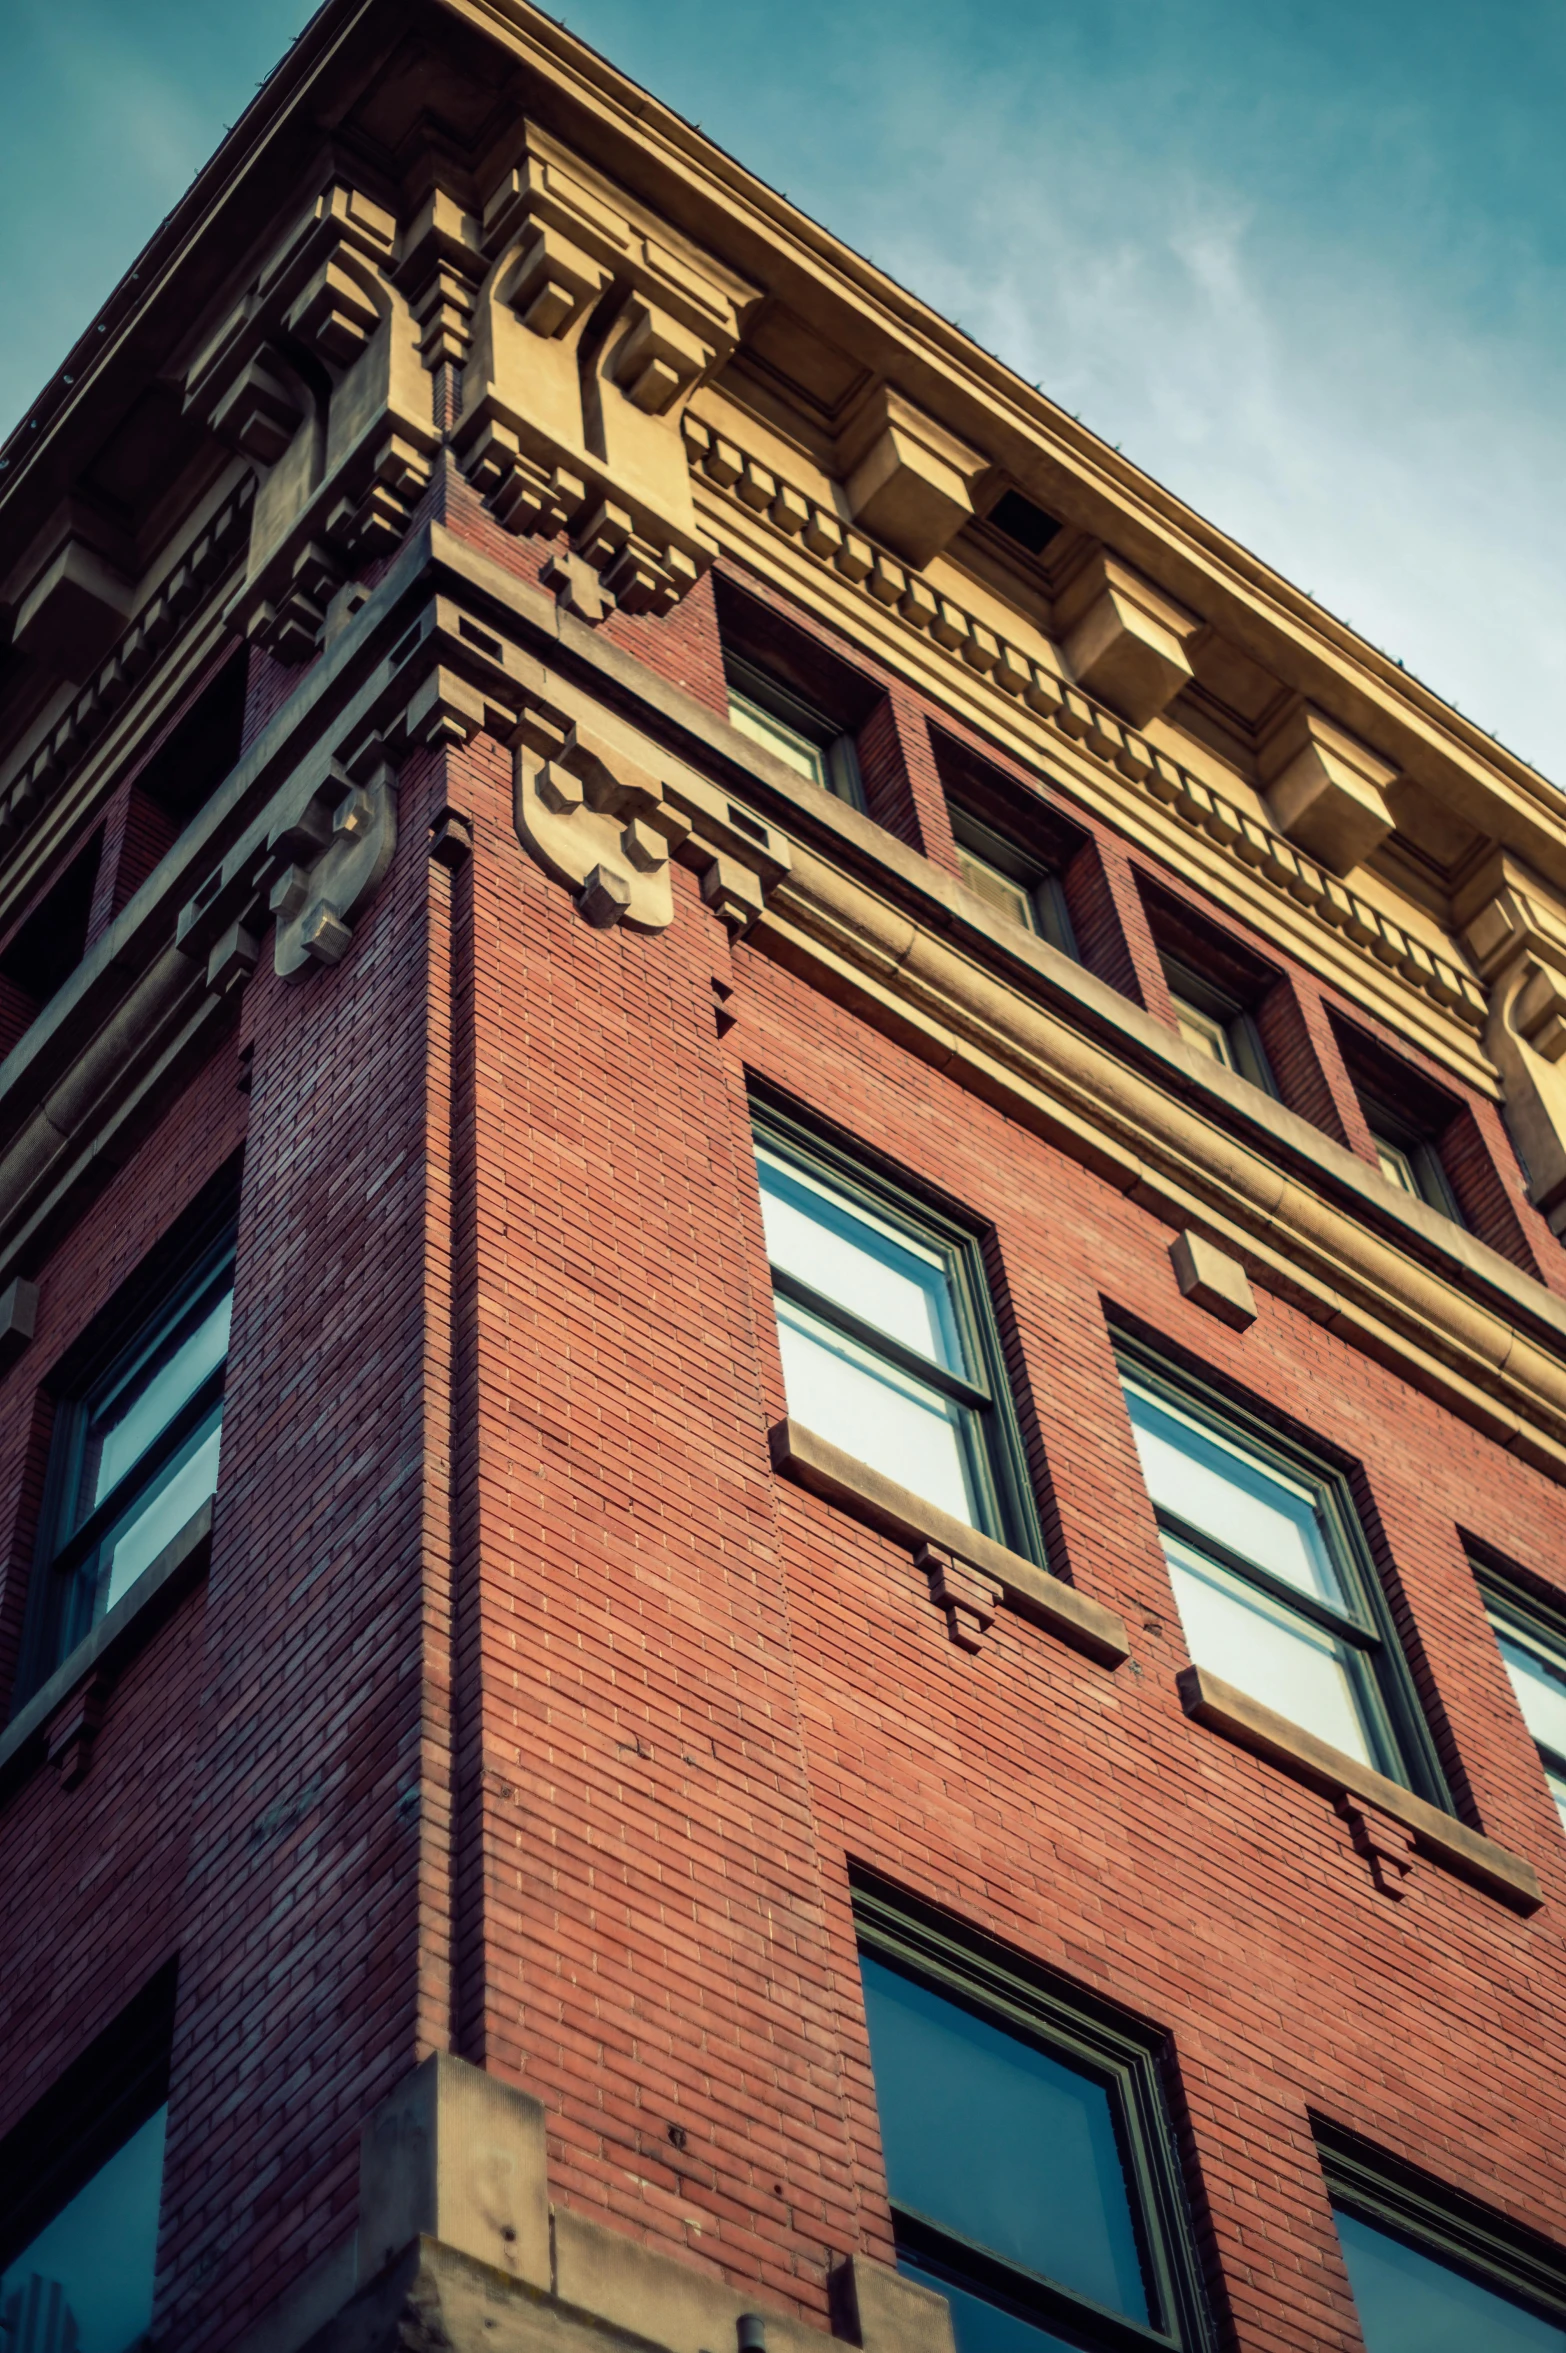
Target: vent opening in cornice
(1024,524)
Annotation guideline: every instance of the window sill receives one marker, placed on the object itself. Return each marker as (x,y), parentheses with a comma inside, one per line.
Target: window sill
(112,1643)
(1208,1700)
(842,1479)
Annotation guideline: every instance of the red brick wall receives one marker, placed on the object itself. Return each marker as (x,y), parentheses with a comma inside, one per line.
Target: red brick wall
(524,1708)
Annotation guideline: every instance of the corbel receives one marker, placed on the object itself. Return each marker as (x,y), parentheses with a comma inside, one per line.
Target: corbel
(905,477)
(316,373)
(314,905)
(597,821)
(442,267)
(1515,930)
(73,591)
(1325,789)
(590,335)
(1124,639)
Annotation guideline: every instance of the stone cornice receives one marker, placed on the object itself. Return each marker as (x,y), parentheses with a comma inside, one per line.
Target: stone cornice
(1043,704)
(963,391)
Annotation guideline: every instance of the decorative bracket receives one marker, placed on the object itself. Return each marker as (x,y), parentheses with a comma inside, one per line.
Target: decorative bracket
(314,904)
(1515,931)
(969,1599)
(598,823)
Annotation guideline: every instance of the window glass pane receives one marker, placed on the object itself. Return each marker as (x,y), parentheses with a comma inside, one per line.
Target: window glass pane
(1000,2143)
(982,2327)
(180,1489)
(786,743)
(1268,1652)
(93,2264)
(1205,1032)
(1409,2303)
(1540,1685)
(843,1251)
(1214,1484)
(1396,1166)
(871,1409)
(1009,897)
(154,1394)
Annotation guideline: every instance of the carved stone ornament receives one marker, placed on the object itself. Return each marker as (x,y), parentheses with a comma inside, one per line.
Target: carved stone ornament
(598,823)
(1515,930)
(315,904)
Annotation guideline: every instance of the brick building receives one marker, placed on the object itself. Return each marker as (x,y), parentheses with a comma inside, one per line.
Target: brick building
(859,1146)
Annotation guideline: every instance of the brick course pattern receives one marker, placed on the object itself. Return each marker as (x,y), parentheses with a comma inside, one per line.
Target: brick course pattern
(524,1713)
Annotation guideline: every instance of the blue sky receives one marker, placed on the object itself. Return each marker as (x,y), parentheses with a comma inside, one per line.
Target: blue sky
(1306,263)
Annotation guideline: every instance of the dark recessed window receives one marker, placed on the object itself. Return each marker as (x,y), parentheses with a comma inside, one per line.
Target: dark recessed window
(1276,1589)
(888,1335)
(1432,2271)
(1215,1022)
(1016,885)
(47,946)
(136,1446)
(1532,1641)
(201,749)
(1028,2156)
(1026,525)
(1406,1116)
(80,2182)
(793,730)
(1408,1159)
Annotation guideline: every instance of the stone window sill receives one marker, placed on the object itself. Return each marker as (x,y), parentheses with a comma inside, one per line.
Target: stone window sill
(1208,1700)
(843,1480)
(103,1653)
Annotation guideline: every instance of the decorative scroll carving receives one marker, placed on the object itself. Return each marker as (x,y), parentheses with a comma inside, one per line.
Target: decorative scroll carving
(589,337)
(598,823)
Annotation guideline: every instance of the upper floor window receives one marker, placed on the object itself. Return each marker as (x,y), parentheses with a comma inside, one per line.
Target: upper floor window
(1432,2272)
(135,1451)
(1027,2154)
(1216,1023)
(887,1334)
(1533,1651)
(1406,1116)
(801,736)
(48,944)
(1021,888)
(80,2183)
(1277,1594)
(1407,1160)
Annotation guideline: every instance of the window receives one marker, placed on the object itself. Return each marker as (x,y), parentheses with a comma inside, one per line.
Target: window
(1533,1651)
(135,1450)
(1434,2272)
(80,2180)
(199,752)
(1276,1591)
(1216,1023)
(1408,1162)
(888,1340)
(46,947)
(1406,1115)
(1028,2155)
(1011,882)
(772,714)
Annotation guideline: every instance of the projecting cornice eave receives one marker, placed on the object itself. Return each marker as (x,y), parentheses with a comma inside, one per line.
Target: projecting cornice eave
(1051,455)
(314,99)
